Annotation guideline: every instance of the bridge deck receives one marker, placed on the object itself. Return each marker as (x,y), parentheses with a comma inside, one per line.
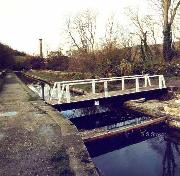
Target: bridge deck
(97,96)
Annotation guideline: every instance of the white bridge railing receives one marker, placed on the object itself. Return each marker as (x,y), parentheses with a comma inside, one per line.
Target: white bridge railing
(62,89)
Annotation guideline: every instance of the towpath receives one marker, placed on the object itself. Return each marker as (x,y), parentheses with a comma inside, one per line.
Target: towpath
(35,139)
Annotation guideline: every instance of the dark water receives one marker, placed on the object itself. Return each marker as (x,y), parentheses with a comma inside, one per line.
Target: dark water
(151,151)
(106,117)
(154,151)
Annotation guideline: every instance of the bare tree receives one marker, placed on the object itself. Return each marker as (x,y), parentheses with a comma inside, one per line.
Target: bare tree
(110,48)
(111,34)
(169,10)
(127,42)
(81,30)
(142,30)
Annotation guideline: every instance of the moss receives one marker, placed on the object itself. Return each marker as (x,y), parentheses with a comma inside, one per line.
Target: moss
(33,98)
(62,164)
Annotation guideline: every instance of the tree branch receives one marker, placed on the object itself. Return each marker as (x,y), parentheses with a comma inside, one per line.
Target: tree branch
(174,12)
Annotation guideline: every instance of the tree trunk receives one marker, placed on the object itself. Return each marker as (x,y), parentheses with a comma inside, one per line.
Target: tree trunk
(146,53)
(168,52)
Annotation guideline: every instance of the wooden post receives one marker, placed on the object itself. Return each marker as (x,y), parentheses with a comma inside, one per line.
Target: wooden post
(123,87)
(160,81)
(53,90)
(137,84)
(93,87)
(61,94)
(149,81)
(50,91)
(105,89)
(145,80)
(42,87)
(67,94)
(59,91)
(163,82)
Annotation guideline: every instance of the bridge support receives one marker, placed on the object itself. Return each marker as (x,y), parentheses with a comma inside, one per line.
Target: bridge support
(137,84)
(161,82)
(67,94)
(93,87)
(59,92)
(105,89)
(42,88)
(146,80)
(122,88)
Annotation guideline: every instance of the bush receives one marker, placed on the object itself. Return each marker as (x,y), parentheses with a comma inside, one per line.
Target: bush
(6,57)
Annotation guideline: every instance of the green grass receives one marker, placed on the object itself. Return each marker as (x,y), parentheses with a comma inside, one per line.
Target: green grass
(59,76)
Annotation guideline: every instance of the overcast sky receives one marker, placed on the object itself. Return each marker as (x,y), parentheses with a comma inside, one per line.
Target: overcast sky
(23,22)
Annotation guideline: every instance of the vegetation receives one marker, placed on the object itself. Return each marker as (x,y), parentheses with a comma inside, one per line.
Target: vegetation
(120,52)
(6,57)
(59,75)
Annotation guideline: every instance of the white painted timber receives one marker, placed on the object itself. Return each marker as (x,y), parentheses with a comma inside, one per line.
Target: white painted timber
(61,89)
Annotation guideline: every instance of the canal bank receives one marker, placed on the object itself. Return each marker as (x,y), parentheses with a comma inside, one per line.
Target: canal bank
(165,106)
(35,138)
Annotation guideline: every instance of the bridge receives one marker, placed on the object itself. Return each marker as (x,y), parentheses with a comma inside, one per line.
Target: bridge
(75,94)
(61,93)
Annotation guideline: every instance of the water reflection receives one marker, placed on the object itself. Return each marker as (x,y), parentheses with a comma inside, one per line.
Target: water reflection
(83,112)
(151,152)
(104,117)
(127,122)
(169,161)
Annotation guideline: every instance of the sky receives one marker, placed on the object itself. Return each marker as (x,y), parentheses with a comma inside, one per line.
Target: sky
(23,22)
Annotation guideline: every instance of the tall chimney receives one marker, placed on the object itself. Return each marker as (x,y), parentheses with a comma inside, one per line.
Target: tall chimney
(40,48)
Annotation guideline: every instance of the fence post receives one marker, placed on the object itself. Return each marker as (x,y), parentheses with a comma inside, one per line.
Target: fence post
(42,87)
(145,80)
(93,87)
(105,89)
(137,84)
(61,95)
(160,81)
(49,91)
(149,81)
(53,91)
(163,82)
(59,91)
(67,94)
(123,87)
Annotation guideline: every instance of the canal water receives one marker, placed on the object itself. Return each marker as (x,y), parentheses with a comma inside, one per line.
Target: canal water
(151,151)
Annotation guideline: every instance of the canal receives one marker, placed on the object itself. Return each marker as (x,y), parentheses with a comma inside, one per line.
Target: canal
(150,151)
